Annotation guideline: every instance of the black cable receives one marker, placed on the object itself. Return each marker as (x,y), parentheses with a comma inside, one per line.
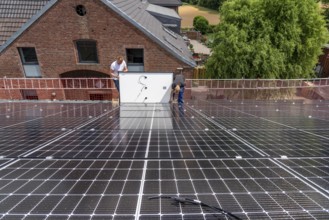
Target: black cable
(139,82)
(196,202)
(143,87)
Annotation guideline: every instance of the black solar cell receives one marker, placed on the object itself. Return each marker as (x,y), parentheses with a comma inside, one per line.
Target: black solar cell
(258,160)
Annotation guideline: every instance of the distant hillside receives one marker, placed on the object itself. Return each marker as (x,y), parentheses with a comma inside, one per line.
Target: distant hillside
(188,12)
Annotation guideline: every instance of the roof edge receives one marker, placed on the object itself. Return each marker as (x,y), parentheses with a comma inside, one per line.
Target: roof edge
(21,30)
(149,34)
(164,16)
(168,4)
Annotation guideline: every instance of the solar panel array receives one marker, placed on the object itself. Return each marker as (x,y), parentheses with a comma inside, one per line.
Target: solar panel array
(88,160)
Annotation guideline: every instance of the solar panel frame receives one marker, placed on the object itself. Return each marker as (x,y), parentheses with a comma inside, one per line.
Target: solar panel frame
(177,151)
(314,170)
(230,185)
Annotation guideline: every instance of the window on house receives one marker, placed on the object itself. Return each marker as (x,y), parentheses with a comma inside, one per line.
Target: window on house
(135,60)
(87,51)
(81,10)
(30,61)
(96,97)
(29,94)
(28,55)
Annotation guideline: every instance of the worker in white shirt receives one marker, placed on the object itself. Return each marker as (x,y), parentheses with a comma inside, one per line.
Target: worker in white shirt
(118,66)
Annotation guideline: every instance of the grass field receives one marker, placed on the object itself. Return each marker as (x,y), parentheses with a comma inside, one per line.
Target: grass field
(188,12)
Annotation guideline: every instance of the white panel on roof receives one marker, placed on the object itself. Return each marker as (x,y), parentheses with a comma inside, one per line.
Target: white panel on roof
(145,87)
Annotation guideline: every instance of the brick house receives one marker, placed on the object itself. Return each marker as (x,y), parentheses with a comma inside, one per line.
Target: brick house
(80,38)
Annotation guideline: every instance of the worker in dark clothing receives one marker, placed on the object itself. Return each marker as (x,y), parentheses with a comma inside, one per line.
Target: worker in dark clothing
(179,80)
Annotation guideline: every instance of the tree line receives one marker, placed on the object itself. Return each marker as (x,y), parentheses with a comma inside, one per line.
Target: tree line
(211,4)
(267,39)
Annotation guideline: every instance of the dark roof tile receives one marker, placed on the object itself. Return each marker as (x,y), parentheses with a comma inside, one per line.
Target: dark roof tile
(15,13)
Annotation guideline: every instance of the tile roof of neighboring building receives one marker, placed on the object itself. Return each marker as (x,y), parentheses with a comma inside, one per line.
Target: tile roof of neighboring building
(166,2)
(18,16)
(167,12)
(15,13)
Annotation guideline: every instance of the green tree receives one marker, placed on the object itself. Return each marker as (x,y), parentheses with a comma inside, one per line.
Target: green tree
(201,24)
(193,2)
(195,19)
(267,39)
(212,4)
(325,10)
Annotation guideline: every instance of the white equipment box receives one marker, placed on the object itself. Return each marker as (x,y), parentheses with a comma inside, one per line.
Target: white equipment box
(145,87)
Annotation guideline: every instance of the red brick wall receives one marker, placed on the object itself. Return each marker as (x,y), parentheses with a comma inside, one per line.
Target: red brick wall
(84,94)
(193,35)
(52,94)
(10,94)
